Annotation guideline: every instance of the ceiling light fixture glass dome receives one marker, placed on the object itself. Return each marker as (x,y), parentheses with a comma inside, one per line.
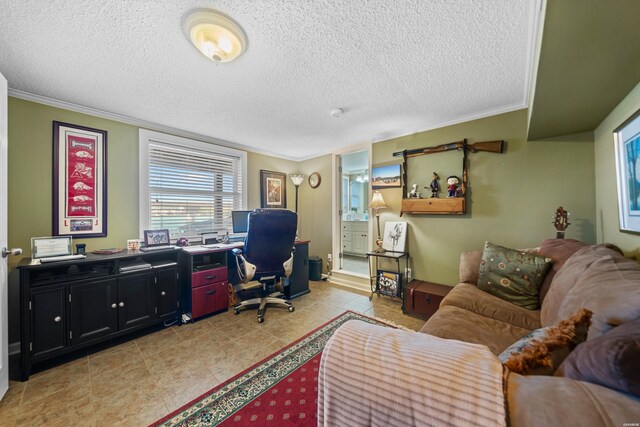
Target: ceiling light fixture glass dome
(215,35)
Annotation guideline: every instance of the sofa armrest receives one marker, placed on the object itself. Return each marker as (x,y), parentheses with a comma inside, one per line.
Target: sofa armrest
(540,400)
(470,266)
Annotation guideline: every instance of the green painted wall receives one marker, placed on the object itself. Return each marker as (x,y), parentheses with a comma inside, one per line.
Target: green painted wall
(513,195)
(608,226)
(315,207)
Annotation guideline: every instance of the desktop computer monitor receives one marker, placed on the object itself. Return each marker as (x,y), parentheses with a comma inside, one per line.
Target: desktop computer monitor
(240,221)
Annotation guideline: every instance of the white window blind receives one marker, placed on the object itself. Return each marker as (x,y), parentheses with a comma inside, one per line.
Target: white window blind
(192,189)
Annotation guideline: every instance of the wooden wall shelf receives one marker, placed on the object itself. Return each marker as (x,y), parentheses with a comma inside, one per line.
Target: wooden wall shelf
(433,206)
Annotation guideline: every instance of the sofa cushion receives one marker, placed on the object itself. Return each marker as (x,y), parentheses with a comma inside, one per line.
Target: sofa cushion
(605,282)
(470,266)
(611,360)
(459,324)
(559,251)
(543,350)
(539,400)
(512,275)
(471,298)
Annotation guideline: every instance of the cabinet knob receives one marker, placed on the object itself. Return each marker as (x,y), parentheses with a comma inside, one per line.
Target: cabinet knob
(121,304)
(427,299)
(163,293)
(57,319)
(114,305)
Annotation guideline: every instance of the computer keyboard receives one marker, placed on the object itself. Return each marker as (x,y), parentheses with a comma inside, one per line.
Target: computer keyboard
(62,258)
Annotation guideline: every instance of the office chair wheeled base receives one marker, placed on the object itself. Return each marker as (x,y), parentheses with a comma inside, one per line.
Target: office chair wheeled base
(262,302)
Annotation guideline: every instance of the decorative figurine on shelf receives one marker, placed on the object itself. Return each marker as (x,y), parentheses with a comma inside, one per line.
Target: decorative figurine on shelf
(435,185)
(413,194)
(452,186)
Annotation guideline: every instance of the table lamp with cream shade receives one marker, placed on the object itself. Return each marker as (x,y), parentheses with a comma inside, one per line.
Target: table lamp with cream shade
(377,203)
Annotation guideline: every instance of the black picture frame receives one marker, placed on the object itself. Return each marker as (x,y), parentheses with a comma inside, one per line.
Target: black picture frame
(273,189)
(79,181)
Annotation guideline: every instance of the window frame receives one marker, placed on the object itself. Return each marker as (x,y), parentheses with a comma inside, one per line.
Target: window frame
(148,136)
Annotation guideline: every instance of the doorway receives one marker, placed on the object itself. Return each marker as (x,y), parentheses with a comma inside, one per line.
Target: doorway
(354,212)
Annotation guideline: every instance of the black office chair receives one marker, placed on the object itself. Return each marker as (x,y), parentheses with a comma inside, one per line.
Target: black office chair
(267,258)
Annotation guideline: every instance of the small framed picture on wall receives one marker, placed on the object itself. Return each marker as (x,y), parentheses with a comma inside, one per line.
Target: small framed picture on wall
(273,189)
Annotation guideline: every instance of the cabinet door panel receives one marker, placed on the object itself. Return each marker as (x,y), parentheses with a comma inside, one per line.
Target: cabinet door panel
(137,300)
(299,279)
(93,314)
(48,320)
(168,292)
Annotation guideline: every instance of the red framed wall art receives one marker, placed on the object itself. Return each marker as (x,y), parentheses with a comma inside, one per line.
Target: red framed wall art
(79,181)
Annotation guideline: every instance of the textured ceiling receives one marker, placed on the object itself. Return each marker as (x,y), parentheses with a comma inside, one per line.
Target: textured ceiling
(395,67)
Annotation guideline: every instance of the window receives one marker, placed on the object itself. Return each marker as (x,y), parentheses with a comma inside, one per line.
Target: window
(188,186)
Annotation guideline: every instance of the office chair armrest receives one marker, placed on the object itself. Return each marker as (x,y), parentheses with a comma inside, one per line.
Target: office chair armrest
(246,270)
(288,266)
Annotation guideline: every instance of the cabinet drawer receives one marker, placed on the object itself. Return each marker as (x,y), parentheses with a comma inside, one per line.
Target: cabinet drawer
(207,277)
(360,226)
(208,299)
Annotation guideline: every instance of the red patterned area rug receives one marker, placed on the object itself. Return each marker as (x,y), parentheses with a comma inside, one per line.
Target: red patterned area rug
(281,390)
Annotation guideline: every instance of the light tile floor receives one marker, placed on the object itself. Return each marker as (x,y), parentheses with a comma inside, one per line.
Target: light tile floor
(141,380)
(355,264)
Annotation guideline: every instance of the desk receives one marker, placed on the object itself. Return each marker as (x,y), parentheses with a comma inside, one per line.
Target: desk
(208,269)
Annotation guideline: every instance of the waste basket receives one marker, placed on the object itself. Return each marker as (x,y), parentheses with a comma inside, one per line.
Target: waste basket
(315,268)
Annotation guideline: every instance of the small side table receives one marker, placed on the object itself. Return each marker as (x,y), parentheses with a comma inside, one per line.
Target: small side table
(422,299)
(388,282)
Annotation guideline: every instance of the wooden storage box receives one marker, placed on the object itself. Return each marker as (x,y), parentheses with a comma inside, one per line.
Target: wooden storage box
(422,299)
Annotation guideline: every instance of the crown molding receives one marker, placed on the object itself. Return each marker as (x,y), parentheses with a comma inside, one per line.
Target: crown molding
(144,124)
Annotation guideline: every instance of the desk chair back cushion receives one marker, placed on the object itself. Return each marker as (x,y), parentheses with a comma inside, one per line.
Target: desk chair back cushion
(270,239)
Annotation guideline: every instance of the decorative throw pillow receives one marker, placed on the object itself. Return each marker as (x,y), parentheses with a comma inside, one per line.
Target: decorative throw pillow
(611,360)
(512,275)
(543,350)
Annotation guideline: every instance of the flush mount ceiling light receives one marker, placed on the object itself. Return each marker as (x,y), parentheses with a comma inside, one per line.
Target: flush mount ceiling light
(216,36)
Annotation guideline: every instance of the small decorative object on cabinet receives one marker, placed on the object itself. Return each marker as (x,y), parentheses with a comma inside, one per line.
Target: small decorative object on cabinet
(455,204)
(422,299)
(69,305)
(388,281)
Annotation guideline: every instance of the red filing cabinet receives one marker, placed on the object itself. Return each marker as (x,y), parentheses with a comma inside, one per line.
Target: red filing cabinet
(208,282)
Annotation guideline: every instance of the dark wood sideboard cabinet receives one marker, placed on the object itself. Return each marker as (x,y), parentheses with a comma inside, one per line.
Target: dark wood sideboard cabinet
(69,305)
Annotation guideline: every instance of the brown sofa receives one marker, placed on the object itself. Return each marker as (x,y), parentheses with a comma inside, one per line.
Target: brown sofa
(591,276)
